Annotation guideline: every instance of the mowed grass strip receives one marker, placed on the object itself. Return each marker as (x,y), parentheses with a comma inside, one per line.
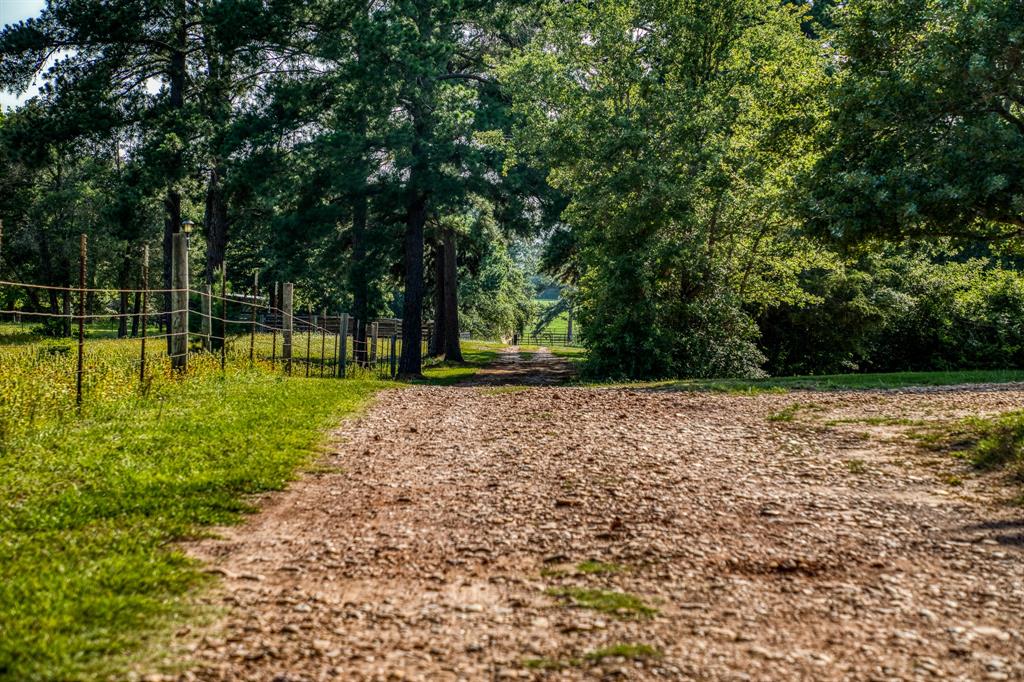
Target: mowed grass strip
(476,355)
(91,506)
(834,382)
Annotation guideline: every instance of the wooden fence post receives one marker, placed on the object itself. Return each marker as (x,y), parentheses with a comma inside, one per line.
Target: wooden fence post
(223,314)
(394,355)
(343,352)
(145,317)
(286,324)
(309,337)
(179,302)
(83,246)
(337,343)
(273,327)
(252,317)
(358,356)
(207,318)
(373,348)
(323,341)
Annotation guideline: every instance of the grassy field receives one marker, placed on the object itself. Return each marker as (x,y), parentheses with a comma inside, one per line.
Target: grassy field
(92,502)
(559,325)
(839,381)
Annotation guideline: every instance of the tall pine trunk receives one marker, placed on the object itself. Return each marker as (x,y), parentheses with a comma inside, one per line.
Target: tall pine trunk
(172,201)
(136,314)
(124,281)
(216,218)
(437,337)
(357,274)
(411,363)
(452,346)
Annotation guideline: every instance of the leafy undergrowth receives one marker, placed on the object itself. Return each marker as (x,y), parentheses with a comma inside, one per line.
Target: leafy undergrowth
(835,382)
(989,443)
(91,504)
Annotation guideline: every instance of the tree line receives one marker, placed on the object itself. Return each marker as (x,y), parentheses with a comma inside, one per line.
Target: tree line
(721,188)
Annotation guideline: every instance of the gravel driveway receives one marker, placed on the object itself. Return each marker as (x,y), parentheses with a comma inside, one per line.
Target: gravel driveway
(507,532)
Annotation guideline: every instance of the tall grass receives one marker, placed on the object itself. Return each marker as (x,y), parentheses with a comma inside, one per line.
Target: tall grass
(92,502)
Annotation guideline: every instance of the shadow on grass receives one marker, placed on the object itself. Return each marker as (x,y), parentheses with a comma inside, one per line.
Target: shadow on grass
(476,356)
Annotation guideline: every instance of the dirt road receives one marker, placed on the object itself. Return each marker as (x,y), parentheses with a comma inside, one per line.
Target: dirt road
(496,532)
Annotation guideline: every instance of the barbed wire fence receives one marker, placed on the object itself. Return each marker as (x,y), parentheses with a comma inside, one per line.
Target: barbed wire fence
(240,327)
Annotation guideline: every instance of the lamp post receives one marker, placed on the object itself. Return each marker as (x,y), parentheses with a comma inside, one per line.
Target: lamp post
(187,227)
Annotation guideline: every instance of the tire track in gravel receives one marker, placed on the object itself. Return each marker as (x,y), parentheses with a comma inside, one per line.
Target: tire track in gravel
(432,542)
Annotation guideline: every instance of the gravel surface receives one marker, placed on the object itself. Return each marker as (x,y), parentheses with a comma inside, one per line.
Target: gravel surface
(467,532)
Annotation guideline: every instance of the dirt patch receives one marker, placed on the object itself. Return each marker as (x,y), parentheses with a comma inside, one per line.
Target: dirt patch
(422,549)
(524,368)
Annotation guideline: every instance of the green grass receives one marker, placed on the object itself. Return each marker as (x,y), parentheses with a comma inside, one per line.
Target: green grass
(26,332)
(91,505)
(559,325)
(1000,443)
(632,652)
(857,466)
(598,568)
(989,443)
(787,414)
(836,382)
(551,664)
(605,601)
(92,502)
(588,567)
(876,421)
(477,355)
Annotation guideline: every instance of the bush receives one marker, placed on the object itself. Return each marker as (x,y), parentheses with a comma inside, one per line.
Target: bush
(900,313)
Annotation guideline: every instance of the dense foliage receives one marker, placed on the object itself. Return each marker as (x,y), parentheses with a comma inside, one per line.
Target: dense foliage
(899,310)
(718,188)
(674,128)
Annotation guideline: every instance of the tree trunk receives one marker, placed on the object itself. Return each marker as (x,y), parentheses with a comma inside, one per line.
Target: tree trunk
(357,276)
(411,363)
(124,281)
(216,218)
(452,346)
(136,314)
(66,331)
(172,201)
(568,326)
(437,337)
(172,222)
(122,321)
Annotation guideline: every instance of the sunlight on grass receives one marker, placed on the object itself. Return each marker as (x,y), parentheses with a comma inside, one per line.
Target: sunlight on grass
(92,503)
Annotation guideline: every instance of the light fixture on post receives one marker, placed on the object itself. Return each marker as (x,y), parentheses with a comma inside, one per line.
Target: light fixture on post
(186,227)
